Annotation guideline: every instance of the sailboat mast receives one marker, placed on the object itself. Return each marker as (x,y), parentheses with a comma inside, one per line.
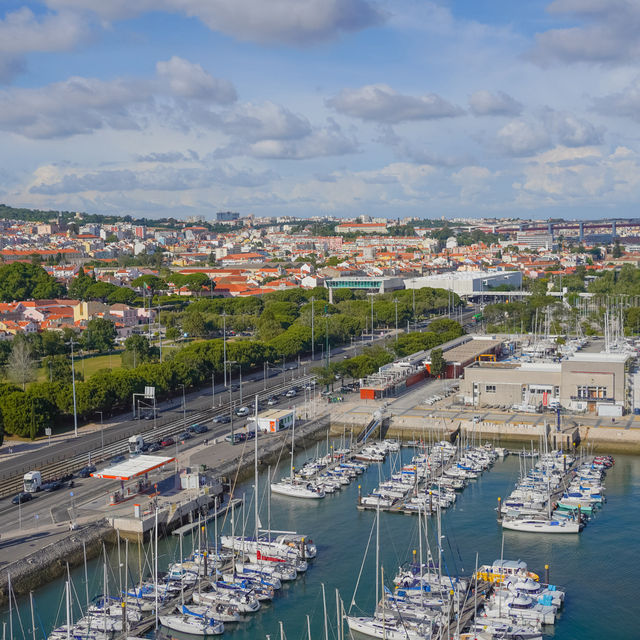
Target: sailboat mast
(255,468)
(33,622)
(324,608)
(68,611)
(377,550)
(10,608)
(155,570)
(86,579)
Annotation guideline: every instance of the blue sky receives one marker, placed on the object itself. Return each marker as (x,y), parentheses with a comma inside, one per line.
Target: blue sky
(303,107)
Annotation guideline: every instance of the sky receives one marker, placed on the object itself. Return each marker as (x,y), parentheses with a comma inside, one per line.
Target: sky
(390,108)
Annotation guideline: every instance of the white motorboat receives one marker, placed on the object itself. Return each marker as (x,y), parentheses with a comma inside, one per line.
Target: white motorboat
(297,489)
(192,624)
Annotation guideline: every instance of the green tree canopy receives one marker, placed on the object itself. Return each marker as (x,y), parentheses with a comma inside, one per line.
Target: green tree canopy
(22,281)
(99,335)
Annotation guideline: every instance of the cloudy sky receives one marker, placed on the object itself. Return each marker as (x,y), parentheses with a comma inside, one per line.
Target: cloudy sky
(304,107)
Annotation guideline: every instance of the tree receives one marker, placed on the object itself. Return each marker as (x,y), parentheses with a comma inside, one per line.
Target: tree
(100,290)
(137,350)
(150,282)
(193,324)
(21,281)
(99,335)
(21,367)
(24,414)
(268,325)
(122,295)
(172,333)
(438,363)
(79,285)
(58,369)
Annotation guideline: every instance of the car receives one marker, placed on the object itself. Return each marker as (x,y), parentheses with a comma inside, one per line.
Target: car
(200,428)
(51,486)
(237,437)
(167,442)
(292,367)
(117,460)
(250,435)
(154,446)
(243,411)
(223,419)
(24,496)
(476,419)
(272,401)
(192,428)
(291,393)
(85,472)
(185,435)
(66,477)
(235,387)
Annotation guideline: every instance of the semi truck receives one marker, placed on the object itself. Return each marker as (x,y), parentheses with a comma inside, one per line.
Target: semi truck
(32,481)
(136,444)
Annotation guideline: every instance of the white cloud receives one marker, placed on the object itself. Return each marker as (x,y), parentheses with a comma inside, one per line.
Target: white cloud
(522,138)
(381,103)
(82,105)
(23,32)
(297,22)
(607,33)
(473,182)
(484,103)
(189,80)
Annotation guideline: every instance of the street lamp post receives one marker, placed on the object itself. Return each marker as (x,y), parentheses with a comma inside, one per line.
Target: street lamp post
(213,390)
(230,362)
(313,341)
(372,295)
(395,301)
(73,385)
(184,405)
(101,432)
(224,345)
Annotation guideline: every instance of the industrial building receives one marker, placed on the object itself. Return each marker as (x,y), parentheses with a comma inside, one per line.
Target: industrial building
(592,382)
(380,284)
(467,283)
(463,351)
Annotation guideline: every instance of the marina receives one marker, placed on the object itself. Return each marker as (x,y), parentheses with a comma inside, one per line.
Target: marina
(340,536)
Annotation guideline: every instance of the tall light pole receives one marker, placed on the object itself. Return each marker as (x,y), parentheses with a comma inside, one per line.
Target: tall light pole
(313,341)
(101,432)
(73,385)
(372,295)
(395,301)
(184,405)
(224,345)
(230,362)
(213,390)
(326,334)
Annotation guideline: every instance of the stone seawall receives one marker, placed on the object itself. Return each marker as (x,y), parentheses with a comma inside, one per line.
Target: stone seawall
(50,562)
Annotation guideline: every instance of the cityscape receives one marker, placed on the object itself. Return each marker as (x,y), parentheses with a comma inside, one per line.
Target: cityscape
(319,319)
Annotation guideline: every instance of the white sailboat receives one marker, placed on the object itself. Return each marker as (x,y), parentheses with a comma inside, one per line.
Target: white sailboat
(293,487)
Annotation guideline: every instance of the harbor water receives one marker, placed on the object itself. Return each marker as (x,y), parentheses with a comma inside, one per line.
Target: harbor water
(598,568)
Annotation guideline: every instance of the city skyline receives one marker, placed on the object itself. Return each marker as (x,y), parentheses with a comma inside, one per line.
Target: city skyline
(310,107)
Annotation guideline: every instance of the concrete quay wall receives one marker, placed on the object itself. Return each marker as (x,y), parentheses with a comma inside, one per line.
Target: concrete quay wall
(50,562)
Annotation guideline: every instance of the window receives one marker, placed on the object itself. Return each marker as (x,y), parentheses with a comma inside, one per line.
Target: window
(490,388)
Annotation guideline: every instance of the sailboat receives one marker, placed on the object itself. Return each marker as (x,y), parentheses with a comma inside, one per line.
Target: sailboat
(294,487)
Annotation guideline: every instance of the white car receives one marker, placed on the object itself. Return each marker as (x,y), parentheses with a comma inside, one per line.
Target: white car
(243,411)
(291,393)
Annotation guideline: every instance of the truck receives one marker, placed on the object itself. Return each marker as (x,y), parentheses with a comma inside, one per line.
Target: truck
(32,481)
(136,444)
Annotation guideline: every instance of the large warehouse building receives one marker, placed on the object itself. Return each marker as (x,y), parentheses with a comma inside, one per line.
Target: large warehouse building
(467,283)
(593,382)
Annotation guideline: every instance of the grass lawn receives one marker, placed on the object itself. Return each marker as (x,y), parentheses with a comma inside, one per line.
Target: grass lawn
(88,366)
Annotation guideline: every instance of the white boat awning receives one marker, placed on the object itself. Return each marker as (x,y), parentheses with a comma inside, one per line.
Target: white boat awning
(132,468)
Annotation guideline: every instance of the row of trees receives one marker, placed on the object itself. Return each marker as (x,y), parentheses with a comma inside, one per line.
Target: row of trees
(374,357)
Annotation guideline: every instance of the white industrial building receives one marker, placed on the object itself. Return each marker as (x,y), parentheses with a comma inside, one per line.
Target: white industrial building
(467,283)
